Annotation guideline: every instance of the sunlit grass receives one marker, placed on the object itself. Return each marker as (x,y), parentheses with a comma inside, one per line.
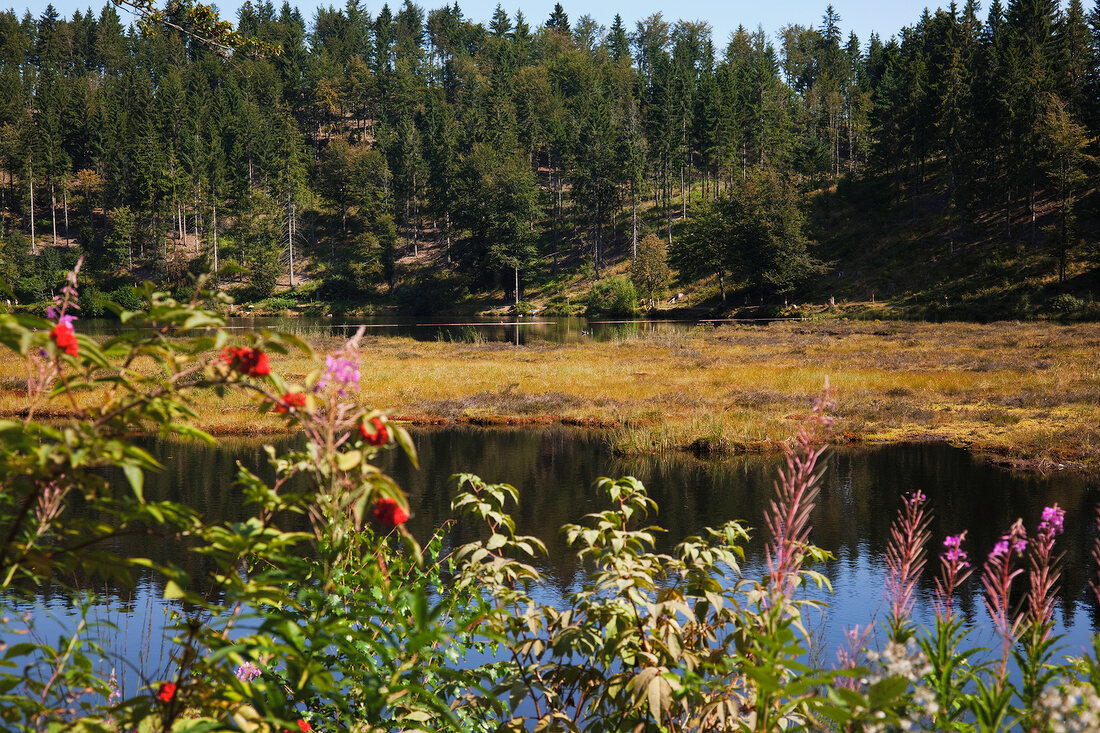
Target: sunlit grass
(1023,391)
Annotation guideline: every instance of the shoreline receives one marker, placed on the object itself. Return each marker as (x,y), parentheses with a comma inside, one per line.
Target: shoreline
(1025,395)
(702,452)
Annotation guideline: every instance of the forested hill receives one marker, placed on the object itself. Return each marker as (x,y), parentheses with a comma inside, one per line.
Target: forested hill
(422,159)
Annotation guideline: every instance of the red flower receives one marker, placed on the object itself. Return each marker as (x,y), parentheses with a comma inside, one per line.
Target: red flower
(167,692)
(291,401)
(304,726)
(62,335)
(249,362)
(380,435)
(389,513)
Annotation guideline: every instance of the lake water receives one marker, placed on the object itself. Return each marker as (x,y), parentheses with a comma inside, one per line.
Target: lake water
(554,470)
(462,328)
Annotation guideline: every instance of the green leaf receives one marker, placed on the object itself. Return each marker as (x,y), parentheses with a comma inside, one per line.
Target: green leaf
(136,477)
(402,437)
(349,460)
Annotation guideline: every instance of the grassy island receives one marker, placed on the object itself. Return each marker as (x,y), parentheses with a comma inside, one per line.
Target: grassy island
(1028,394)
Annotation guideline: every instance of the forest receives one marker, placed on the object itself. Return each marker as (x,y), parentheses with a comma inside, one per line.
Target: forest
(418,158)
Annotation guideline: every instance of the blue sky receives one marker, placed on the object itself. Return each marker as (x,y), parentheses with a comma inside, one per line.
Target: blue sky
(863,16)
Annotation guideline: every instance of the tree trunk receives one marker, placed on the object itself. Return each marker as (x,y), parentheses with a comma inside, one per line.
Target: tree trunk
(214,216)
(516,269)
(633,221)
(683,195)
(31,179)
(53,213)
(65,199)
(290,242)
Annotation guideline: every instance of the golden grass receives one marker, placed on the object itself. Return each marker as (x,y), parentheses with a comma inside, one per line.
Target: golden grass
(1028,392)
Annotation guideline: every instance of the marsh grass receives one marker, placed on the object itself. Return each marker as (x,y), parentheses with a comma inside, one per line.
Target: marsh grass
(1028,392)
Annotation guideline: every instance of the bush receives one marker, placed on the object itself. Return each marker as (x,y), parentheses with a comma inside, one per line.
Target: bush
(428,294)
(1065,304)
(613,296)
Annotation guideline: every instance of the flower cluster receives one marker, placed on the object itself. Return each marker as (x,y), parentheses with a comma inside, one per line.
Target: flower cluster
(954,554)
(997,577)
(954,569)
(166,692)
(247,361)
(899,660)
(1070,708)
(64,336)
(290,402)
(389,513)
(1015,543)
(1052,520)
(1044,573)
(247,672)
(379,435)
(341,373)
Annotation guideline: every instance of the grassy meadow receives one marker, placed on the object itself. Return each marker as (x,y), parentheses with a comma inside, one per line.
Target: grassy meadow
(1027,393)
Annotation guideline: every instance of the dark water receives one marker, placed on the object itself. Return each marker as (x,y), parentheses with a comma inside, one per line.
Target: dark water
(554,471)
(462,328)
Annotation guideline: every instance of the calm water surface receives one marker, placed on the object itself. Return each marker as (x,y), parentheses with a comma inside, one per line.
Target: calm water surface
(554,471)
(454,328)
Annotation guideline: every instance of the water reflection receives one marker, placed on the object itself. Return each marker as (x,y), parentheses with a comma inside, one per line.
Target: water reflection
(554,470)
(462,329)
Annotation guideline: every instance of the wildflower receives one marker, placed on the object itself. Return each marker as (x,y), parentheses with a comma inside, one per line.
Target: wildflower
(955,554)
(379,436)
(1044,573)
(954,569)
(905,556)
(247,672)
(63,335)
(290,401)
(389,513)
(341,372)
(249,362)
(1052,521)
(304,726)
(997,577)
(166,692)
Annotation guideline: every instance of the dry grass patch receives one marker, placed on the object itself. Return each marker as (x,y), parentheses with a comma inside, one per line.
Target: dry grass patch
(1029,391)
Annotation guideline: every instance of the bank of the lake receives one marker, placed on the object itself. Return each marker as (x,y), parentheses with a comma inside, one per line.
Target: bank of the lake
(1026,393)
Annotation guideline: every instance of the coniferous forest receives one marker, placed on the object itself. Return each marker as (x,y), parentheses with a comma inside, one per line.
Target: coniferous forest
(419,158)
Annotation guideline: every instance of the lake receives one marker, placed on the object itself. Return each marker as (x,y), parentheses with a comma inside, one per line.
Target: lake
(508,329)
(554,470)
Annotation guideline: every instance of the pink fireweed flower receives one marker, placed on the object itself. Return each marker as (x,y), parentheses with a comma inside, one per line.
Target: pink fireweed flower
(905,556)
(788,514)
(1043,571)
(997,577)
(954,553)
(247,672)
(1053,517)
(340,372)
(954,569)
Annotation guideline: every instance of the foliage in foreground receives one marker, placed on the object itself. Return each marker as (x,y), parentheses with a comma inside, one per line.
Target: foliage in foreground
(321,612)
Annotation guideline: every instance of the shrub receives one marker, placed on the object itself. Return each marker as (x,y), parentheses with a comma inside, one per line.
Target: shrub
(613,296)
(1065,304)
